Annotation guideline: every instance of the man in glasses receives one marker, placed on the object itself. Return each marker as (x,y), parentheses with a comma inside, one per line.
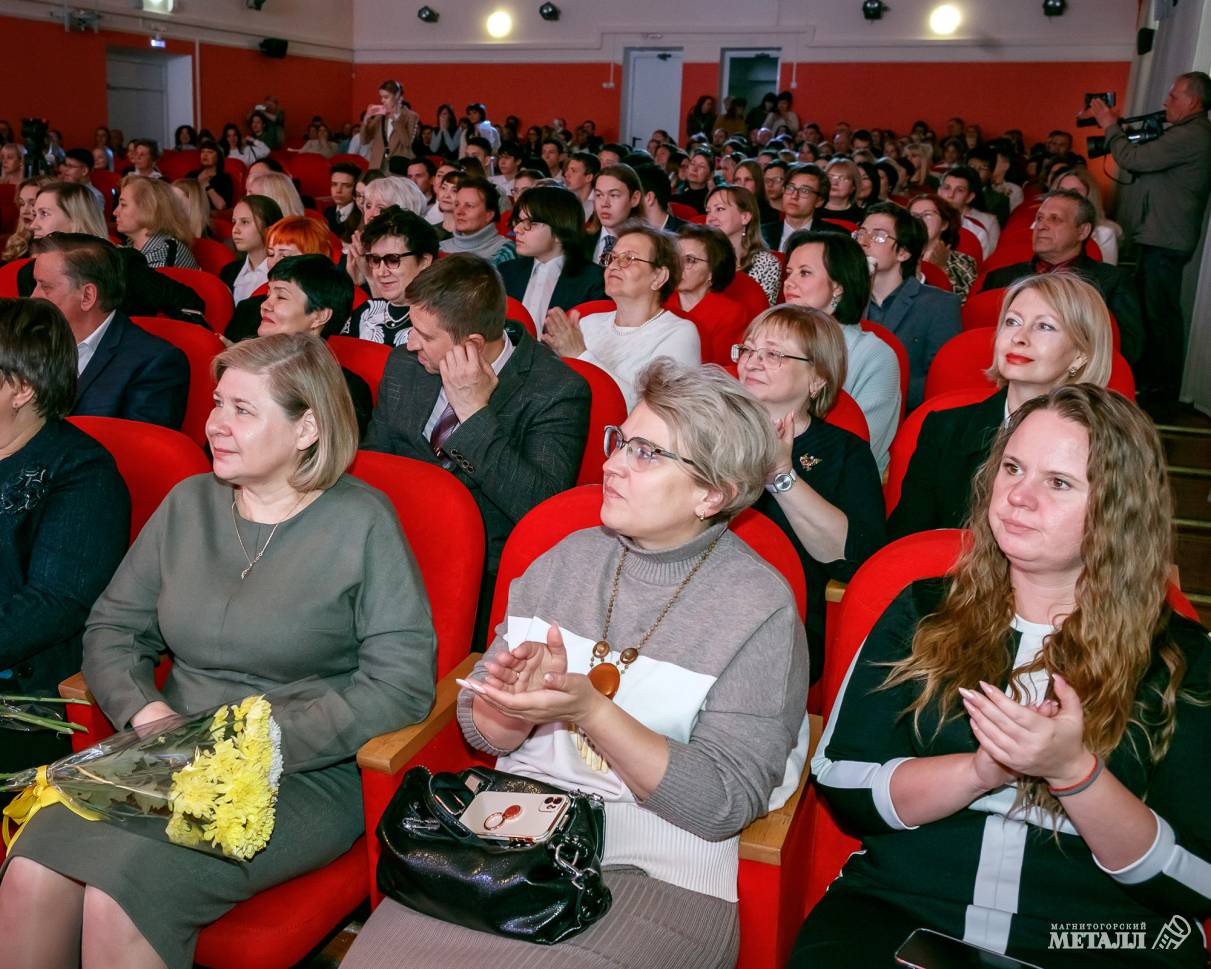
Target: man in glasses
(478,396)
(922,317)
(802,196)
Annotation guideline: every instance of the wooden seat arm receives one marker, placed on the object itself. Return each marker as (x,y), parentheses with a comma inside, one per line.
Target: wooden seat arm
(762,840)
(834,591)
(389,752)
(74,688)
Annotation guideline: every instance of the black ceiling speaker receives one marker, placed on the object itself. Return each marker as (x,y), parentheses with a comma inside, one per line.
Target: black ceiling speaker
(1054,8)
(873,9)
(1143,41)
(548,11)
(428,15)
(274,47)
(254,4)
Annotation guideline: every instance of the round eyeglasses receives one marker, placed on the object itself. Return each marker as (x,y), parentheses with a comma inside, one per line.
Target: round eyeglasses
(641,454)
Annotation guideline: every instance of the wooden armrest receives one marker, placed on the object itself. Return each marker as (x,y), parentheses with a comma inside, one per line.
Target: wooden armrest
(762,840)
(74,688)
(389,752)
(834,591)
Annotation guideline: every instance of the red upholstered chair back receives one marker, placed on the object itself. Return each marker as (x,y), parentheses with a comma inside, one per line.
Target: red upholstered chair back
(963,358)
(969,243)
(515,310)
(595,306)
(214,293)
(748,293)
(683,211)
(108,184)
(608,406)
(347,159)
(936,276)
(9,212)
(556,518)
(905,442)
(175,164)
(359,296)
(449,547)
(200,347)
(312,172)
(211,256)
(983,309)
(893,341)
(221,225)
(1008,253)
(364,357)
(847,414)
(150,458)
(239,175)
(8,278)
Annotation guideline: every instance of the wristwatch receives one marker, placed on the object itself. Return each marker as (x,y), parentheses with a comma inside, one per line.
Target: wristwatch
(782,482)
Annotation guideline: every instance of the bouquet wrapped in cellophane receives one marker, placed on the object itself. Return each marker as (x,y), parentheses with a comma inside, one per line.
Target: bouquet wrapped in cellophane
(206,781)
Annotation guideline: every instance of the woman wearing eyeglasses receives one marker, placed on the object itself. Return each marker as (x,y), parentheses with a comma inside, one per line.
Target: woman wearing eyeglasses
(844,180)
(398,245)
(642,272)
(551,269)
(942,223)
(706,733)
(824,491)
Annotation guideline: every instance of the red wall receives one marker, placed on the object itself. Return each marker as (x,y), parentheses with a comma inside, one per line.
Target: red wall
(536,93)
(232,79)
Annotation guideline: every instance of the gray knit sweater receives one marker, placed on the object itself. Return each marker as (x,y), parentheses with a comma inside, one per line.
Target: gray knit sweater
(724,678)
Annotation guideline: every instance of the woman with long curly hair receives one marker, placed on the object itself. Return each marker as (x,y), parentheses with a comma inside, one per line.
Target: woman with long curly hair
(1024,745)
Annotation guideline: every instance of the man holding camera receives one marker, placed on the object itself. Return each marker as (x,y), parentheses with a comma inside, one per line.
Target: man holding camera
(1162,210)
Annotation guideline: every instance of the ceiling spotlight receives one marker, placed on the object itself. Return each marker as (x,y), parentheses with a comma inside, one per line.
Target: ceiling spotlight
(873,9)
(499,24)
(428,15)
(1054,8)
(945,19)
(548,11)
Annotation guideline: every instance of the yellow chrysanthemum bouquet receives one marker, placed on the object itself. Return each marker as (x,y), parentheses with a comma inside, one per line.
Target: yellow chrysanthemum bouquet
(207,781)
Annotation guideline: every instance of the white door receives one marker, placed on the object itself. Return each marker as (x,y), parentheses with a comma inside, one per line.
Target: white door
(138,95)
(653,94)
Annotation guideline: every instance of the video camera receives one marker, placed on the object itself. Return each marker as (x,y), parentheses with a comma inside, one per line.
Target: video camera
(1139,129)
(34,133)
(1108,96)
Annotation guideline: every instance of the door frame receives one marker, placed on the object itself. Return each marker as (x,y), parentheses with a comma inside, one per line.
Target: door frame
(629,93)
(725,66)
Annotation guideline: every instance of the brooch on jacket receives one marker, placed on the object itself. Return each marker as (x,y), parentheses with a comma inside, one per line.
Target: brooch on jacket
(808,461)
(24,492)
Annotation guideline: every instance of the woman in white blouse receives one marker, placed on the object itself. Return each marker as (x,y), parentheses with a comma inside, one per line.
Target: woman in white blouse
(642,272)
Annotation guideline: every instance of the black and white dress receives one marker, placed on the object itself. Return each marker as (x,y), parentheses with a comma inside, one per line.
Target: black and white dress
(379,321)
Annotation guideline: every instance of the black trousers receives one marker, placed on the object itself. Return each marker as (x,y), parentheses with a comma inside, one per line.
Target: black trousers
(1158,278)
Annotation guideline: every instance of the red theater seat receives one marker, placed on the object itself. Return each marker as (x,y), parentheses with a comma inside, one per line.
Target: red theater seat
(365,358)
(200,347)
(607,407)
(214,293)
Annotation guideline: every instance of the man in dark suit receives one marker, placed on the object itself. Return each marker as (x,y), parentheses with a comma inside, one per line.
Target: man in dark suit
(922,317)
(657,193)
(483,399)
(342,215)
(123,371)
(1061,226)
(803,194)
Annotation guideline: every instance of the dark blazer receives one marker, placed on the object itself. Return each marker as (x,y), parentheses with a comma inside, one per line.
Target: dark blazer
(1116,287)
(521,449)
(571,289)
(134,375)
(923,318)
(672,224)
(952,445)
(231,272)
(64,527)
(148,293)
(343,229)
(773,231)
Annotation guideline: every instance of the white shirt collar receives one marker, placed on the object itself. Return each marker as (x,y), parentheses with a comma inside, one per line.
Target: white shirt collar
(88,346)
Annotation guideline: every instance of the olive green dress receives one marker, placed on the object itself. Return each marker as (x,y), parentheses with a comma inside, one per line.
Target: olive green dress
(336,600)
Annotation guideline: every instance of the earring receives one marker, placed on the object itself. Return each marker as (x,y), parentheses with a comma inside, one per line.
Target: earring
(701,517)
(834,303)
(1072,371)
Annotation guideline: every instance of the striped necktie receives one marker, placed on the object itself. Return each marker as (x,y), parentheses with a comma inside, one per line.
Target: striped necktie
(606,248)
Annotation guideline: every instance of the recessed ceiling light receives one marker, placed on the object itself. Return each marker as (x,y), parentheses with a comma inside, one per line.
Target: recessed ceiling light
(499,24)
(945,19)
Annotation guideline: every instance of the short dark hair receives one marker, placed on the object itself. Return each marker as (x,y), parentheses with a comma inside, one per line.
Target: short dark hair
(779,163)
(465,293)
(655,180)
(480,142)
(486,189)
(511,149)
(347,168)
(665,254)
(637,157)
(559,208)
(845,263)
(150,143)
(87,259)
(620,150)
(592,164)
(37,348)
(81,155)
(392,87)
(861,133)
(271,163)
(625,174)
(910,233)
(1086,214)
(399,223)
(265,211)
(806,168)
(557,142)
(974,184)
(719,252)
(325,286)
(430,167)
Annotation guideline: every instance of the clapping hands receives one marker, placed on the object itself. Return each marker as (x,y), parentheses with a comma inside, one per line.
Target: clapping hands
(561,332)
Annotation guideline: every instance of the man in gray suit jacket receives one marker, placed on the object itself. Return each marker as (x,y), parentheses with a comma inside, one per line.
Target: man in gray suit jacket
(1162,211)
(922,317)
(483,399)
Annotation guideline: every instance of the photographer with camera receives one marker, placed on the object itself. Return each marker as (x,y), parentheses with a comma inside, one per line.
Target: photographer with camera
(1161,209)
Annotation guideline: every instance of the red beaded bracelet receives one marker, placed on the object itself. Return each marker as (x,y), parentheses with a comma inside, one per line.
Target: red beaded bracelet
(1082,784)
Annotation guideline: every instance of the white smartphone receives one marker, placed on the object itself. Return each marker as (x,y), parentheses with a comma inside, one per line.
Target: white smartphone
(500,816)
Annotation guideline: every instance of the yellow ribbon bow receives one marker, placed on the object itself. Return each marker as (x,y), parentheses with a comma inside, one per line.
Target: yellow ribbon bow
(41,793)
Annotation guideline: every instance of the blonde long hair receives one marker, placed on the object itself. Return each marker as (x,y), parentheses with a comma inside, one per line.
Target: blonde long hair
(1108,642)
(159,210)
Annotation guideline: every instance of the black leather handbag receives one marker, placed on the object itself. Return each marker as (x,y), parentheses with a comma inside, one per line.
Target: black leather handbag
(542,893)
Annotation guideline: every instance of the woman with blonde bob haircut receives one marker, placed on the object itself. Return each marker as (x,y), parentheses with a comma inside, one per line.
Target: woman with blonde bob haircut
(67,207)
(225,576)
(154,221)
(706,734)
(1038,718)
(279,187)
(1054,329)
(824,489)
